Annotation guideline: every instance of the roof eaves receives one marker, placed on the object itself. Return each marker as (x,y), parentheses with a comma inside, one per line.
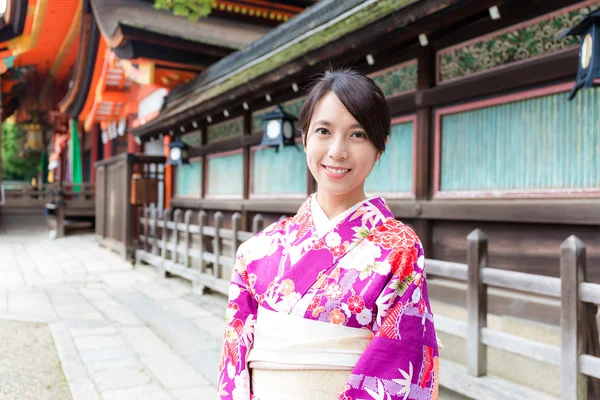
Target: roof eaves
(337,26)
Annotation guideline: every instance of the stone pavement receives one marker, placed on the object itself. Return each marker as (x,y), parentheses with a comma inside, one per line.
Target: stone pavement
(120,332)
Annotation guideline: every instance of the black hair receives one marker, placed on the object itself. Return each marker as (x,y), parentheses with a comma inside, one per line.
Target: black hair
(361,97)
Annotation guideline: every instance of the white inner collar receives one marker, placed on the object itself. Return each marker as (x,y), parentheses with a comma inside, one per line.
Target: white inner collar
(322,223)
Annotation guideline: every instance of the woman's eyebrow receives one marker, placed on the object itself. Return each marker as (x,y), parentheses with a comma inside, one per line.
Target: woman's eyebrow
(327,123)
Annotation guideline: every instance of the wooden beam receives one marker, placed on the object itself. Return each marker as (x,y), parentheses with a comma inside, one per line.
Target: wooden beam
(565,211)
(513,77)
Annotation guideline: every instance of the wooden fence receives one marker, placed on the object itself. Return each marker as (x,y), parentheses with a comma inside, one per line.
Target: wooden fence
(172,243)
(70,206)
(115,212)
(25,199)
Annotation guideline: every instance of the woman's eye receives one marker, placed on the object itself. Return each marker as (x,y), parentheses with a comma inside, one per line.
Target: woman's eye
(322,131)
(359,135)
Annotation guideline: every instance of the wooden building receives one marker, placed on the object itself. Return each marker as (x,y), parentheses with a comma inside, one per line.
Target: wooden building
(132,55)
(483,135)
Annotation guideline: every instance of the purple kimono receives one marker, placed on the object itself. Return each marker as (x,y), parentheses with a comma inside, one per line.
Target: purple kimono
(365,273)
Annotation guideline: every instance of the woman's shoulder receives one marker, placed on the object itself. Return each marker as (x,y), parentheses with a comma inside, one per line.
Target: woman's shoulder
(266,236)
(393,231)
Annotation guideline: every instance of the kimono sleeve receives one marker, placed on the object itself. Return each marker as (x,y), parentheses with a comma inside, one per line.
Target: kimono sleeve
(402,361)
(234,376)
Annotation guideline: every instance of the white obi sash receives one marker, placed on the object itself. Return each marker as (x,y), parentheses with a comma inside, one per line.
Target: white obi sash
(301,359)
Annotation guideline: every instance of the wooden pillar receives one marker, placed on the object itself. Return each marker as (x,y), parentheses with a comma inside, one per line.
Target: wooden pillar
(247,172)
(203,161)
(95,153)
(477,256)
(168,173)
(132,146)
(572,318)
(421,176)
(108,149)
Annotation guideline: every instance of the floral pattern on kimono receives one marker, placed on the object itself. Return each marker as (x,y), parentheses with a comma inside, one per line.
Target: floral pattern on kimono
(365,273)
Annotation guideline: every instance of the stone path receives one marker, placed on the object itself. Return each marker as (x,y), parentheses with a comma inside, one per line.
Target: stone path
(120,332)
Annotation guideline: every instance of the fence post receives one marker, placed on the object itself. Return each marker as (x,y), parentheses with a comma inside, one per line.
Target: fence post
(176,220)
(257,223)
(164,242)
(202,218)
(572,318)
(217,245)
(186,251)
(145,227)
(477,258)
(236,223)
(154,213)
(197,286)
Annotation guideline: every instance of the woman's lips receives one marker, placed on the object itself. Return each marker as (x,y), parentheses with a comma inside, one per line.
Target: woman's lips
(335,173)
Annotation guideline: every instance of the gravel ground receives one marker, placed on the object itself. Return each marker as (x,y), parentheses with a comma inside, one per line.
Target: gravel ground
(29,365)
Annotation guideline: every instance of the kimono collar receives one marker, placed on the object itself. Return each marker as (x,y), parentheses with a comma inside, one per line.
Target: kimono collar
(322,223)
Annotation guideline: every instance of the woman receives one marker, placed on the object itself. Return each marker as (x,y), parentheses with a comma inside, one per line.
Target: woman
(332,303)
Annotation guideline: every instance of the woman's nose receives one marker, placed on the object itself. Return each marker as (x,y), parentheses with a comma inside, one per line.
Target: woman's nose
(338,149)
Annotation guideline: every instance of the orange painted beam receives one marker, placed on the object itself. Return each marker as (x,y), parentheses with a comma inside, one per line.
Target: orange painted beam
(95,79)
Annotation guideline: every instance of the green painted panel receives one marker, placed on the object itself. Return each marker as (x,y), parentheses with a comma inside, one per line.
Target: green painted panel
(193,139)
(279,173)
(226,175)
(189,179)
(528,40)
(535,144)
(226,130)
(397,80)
(393,173)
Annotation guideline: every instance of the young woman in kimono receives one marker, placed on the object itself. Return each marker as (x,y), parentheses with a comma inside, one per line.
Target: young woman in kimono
(332,303)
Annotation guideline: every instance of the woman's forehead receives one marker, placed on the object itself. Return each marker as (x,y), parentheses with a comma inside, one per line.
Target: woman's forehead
(330,111)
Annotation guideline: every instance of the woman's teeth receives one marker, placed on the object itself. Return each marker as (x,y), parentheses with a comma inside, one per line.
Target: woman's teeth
(336,170)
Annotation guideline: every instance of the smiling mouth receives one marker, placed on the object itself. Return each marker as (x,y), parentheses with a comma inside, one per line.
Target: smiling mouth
(336,171)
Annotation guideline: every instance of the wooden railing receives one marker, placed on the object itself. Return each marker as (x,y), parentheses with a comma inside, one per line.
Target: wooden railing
(174,244)
(579,353)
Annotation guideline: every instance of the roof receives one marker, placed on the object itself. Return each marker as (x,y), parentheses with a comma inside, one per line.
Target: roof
(113,15)
(314,16)
(320,25)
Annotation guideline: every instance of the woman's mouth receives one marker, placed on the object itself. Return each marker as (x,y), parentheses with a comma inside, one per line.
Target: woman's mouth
(335,172)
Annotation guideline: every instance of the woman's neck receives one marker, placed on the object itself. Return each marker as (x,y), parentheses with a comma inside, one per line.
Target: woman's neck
(334,205)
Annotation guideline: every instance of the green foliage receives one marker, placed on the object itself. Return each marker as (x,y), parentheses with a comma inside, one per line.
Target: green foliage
(17,164)
(192,9)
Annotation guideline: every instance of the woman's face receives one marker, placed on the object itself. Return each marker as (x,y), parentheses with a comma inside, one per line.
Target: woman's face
(338,152)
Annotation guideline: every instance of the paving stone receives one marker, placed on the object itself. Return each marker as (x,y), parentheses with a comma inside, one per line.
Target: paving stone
(83,389)
(69,357)
(178,332)
(213,326)
(144,341)
(10,277)
(118,378)
(99,342)
(73,305)
(186,308)
(105,354)
(195,393)
(146,392)
(31,302)
(158,292)
(89,328)
(173,371)
(3,301)
(207,363)
(129,362)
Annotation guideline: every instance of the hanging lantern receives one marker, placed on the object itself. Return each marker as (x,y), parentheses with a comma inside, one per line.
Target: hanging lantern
(588,31)
(178,153)
(278,129)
